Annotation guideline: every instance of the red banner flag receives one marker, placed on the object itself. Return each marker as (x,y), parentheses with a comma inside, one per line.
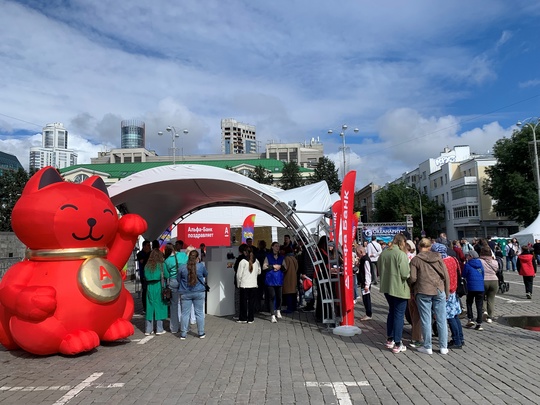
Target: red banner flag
(347,201)
(248,228)
(336,218)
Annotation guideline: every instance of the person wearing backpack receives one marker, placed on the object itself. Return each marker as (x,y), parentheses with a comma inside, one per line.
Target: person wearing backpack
(511,254)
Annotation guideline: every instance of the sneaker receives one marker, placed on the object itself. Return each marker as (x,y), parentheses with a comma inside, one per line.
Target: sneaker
(489,320)
(416,344)
(182,338)
(424,350)
(452,345)
(149,333)
(485,316)
(390,344)
(278,314)
(529,296)
(273,319)
(401,348)
(470,324)
(478,327)
(443,350)
(161,333)
(241,321)
(202,336)
(193,322)
(251,321)
(365,318)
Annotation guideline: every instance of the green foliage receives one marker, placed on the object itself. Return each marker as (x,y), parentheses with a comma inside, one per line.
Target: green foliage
(291,177)
(395,201)
(261,175)
(510,181)
(326,170)
(11,185)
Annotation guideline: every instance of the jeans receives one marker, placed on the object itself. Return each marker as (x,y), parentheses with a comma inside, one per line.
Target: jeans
(175,305)
(490,289)
(437,303)
(512,260)
(478,297)
(247,303)
(150,326)
(456,329)
(274,297)
(189,299)
(355,287)
(374,273)
(395,318)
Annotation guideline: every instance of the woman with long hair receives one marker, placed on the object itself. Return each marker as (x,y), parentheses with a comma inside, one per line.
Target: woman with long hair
(394,272)
(246,278)
(274,280)
(156,309)
(192,290)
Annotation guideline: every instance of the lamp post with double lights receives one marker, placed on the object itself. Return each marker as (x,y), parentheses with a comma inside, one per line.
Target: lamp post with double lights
(422,232)
(342,134)
(174,135)
(533,124)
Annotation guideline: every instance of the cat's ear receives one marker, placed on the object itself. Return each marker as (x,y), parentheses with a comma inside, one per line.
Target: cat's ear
(97,182)
(43,178)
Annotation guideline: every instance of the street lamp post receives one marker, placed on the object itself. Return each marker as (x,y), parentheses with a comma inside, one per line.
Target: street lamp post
(533,123)
(342,134)
(421,214)
(174,135)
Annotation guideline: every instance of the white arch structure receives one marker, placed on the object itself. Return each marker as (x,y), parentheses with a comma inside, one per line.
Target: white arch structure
(164,194)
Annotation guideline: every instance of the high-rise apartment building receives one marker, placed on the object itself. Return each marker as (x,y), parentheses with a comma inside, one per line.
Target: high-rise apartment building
(54,150)
(237,138)
(132,134)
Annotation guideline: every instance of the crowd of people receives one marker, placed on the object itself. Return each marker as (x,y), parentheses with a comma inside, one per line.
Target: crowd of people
(419,280)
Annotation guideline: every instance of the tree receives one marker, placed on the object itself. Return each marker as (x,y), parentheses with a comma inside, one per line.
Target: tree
(326,170)
(12,183)
(291,177)
(396,200)
(510,181)
(261,175)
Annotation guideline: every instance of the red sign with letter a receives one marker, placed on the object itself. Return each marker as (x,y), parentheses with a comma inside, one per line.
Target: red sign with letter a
(209,234)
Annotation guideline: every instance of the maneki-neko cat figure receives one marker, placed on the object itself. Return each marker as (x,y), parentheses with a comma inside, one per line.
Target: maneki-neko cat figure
(68,293)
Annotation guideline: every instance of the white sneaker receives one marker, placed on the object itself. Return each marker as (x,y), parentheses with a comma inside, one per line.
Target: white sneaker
(426,351)
(390,344)
(489,320)
(278,314)
(161,333)
(273,320)
(444,351)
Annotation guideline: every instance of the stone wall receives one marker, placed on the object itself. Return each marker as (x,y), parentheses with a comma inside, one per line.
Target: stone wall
(10,246)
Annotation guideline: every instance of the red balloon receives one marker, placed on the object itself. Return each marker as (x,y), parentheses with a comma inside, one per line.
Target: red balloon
(68,294)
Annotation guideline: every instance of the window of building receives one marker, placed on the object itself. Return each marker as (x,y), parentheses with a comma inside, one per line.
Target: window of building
(467,190)
(435,183)
(466,211)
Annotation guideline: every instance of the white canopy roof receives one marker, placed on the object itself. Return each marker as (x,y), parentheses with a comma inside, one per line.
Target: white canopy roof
(529,234)
(163,194)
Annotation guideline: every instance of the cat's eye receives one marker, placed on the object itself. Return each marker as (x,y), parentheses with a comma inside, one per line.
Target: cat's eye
(63,207)
(108,210)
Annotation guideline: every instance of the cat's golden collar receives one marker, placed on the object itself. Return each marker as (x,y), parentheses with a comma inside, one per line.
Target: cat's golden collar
(46,255)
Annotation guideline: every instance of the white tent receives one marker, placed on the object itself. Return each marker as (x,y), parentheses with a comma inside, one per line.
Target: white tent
(163,194)
(529,234)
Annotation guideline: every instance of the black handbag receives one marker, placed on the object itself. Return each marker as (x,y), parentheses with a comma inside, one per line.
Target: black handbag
(462,287)
(206,286)
(166,292)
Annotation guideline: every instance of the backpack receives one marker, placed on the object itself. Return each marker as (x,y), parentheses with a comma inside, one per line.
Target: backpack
(511,252)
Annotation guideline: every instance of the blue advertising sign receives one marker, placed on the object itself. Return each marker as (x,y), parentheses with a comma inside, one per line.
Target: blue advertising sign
(382,232)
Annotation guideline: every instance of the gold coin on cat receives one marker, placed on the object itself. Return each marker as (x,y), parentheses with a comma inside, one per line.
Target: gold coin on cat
(100,280)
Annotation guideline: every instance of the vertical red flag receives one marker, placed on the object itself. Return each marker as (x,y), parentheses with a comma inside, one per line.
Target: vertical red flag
(355,220)
(347,201)
(336,218)
(248,228)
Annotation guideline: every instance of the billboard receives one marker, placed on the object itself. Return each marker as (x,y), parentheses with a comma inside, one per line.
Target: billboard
(209,234)
(384,232)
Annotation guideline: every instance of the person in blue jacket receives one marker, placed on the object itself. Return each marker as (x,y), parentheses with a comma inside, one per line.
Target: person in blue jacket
(473,272)
(274,280)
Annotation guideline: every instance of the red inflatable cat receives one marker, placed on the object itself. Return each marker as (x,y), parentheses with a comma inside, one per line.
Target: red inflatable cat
(68,293)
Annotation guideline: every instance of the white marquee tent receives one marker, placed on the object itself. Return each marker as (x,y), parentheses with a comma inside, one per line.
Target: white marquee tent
(529,234)
(205,194)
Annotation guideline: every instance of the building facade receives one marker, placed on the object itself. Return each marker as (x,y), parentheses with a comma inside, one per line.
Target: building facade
(133,134)
(54,149)
(305,154)
(9,162)
(237,138)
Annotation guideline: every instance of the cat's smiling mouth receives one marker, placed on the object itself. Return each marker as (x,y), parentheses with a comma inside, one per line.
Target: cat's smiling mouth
(91,223)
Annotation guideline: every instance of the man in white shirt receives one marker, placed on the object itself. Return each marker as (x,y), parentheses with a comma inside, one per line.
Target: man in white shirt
(374,251)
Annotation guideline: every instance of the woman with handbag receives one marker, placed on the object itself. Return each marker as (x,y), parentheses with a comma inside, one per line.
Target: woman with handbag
(192,289)
(156,309)
(246,276)
(173,260)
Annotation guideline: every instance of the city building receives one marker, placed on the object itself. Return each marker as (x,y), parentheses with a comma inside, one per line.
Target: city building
(54,150)
(9,162)
(305,154)
(237,138)
(454,179)
(133,133)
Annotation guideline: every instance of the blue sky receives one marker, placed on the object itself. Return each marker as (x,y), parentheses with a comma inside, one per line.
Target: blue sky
(413,77)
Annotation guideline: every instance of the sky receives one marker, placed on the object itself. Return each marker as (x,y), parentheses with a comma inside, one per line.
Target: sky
(413,77)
